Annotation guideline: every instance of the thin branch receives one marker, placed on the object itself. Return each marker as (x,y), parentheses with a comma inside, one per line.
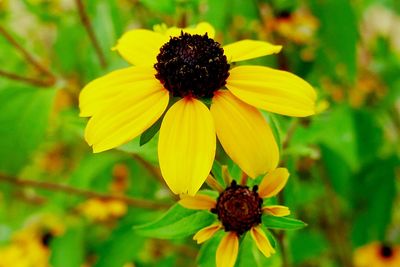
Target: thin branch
(135,202)
(154,171)
(89,29)
(24,52)
(47,82)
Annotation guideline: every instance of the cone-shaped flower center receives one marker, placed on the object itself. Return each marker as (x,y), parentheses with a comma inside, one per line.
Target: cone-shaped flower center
(239,208)
(192,65)
(386,251)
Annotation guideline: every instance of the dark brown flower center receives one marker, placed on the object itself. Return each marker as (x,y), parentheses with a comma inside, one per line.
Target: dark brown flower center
(386,251)
(192,65)
(239,208)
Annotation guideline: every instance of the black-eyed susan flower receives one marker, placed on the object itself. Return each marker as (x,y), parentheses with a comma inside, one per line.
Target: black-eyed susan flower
(187,68)
(239,210)
(377,254)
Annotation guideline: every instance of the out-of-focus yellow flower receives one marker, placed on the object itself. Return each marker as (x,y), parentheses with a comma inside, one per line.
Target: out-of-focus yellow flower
(377,254)
(29,246)
(120,180)
(368,88)
(299,26)
(102,209)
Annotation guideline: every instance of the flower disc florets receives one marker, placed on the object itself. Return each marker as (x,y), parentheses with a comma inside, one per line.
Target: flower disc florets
(192,65)
(239,208)
(386,251)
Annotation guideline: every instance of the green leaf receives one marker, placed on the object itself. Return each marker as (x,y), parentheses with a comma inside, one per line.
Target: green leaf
(373,193)
(177,222)
(206,257)
(338,37)
(115,252)
(284,223)
(68,250)
(307,245)
(24,117)
(151,132)
(337,170)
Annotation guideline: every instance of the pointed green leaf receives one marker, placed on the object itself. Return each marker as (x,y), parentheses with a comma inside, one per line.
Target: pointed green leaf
(151,132)
(284,223)
(177,222)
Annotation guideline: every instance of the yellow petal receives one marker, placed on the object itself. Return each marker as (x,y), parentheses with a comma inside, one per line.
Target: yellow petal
(206,233)
(244,134)
(102,91)
(272,90)
(227,250)
(201,29)
(273,182)
(248,49)
(135,109)
(276,210)
(140,47)
(262,241)
(186,147)
(198,202)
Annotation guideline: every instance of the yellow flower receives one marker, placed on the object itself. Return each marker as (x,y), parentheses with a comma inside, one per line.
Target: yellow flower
(102,209)
(377,255)
(186,68)
(239,211)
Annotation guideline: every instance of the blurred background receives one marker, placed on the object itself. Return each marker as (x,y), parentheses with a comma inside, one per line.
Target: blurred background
(61,205)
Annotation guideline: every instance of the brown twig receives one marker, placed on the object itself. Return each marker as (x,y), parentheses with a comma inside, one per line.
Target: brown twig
(24,52)
(89,29)
(47,82)
(142,203)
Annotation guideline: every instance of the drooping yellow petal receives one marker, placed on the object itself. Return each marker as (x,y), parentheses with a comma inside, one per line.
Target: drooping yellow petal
(140,47)
(135,109)
(198,202)
(248,49)
(227,250)
(273,182)
(262,241)
(244,134)
(186,147)
(201,29)
(276,210)
(206,233)
(272,90)
(102,91)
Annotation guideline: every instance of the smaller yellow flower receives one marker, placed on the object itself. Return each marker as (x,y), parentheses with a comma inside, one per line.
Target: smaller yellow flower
(299,26)
(29,246)
(239,210)
(377,254)
(102,209)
